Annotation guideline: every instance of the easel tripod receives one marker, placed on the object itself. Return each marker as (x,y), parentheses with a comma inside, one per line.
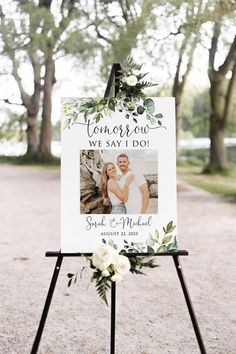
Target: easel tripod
(113,78)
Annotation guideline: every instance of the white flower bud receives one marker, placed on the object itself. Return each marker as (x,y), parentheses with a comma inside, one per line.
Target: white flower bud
(116,277)
(136,72)
(105,273)
(131,80)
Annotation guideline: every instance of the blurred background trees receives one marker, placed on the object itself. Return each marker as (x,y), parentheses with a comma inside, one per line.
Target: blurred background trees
(188,47)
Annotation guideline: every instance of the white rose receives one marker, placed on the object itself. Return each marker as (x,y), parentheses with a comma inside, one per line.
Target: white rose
(131,80)
(116,277)
(124,79)
(135,72)
(121,264)
(102,258)
(105,273)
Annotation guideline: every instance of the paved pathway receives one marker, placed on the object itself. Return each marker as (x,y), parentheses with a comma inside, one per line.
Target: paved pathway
(151,314)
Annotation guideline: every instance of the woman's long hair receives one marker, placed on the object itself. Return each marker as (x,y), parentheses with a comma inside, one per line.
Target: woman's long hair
(104,181)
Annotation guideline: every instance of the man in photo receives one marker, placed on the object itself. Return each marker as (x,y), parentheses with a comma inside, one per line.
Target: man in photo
(138,196)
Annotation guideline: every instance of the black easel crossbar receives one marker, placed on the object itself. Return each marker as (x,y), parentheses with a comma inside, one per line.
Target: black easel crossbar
(133,254)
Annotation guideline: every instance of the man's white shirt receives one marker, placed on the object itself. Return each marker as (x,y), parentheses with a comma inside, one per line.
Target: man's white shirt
(134,202)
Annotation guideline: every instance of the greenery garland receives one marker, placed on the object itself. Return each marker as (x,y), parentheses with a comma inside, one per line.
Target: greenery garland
(131,100)
(109,264)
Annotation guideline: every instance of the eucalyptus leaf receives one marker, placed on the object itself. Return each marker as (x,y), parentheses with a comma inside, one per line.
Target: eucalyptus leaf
(169,225)
(92,110)
(154,239)
(148,103)
(162,249)
(103,101)
(98,117)
(86,114)
(150,249)
(152,121)
(171,246)
(111,105)
(175,242)
(157,234)
(121,95)
(75,117)
(151,109)
(140,109)
(89,104)
(166,239)
(159,115)
(100,107)
(67,123)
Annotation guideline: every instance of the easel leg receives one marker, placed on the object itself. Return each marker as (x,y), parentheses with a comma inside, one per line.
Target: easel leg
(113,316)
(47,305)
(189,304)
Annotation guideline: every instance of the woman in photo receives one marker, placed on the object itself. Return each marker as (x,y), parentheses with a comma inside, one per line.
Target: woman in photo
(111,189)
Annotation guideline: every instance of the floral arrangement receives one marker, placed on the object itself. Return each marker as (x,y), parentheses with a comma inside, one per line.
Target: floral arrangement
(109,264)
(130,99)
(131,81)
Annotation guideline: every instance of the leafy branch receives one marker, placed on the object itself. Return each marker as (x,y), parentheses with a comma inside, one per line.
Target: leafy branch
(130,99)
(101,108)
(133,91)
(166,243)
(103,274)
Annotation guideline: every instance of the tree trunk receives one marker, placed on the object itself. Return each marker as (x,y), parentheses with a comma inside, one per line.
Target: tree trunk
(218,155)
(91,201)
(44,151)
(221,94)
(177,92)
(32,134)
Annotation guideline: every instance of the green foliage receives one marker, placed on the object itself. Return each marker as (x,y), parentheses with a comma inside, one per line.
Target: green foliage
(166,243)
(130,100)
(138,263)
(126,30)
(13,126)
(101,108)
(102,285)
(72,278)
(133,91)
(223,184)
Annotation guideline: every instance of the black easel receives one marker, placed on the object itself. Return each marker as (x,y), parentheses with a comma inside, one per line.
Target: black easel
(113,79)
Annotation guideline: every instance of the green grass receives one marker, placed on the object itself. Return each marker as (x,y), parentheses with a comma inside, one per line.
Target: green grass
(223,184)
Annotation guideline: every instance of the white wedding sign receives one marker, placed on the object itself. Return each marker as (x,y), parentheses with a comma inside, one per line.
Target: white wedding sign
(118,175)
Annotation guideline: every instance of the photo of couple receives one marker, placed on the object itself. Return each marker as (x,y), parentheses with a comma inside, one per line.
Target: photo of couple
(126,182)
(127,194)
